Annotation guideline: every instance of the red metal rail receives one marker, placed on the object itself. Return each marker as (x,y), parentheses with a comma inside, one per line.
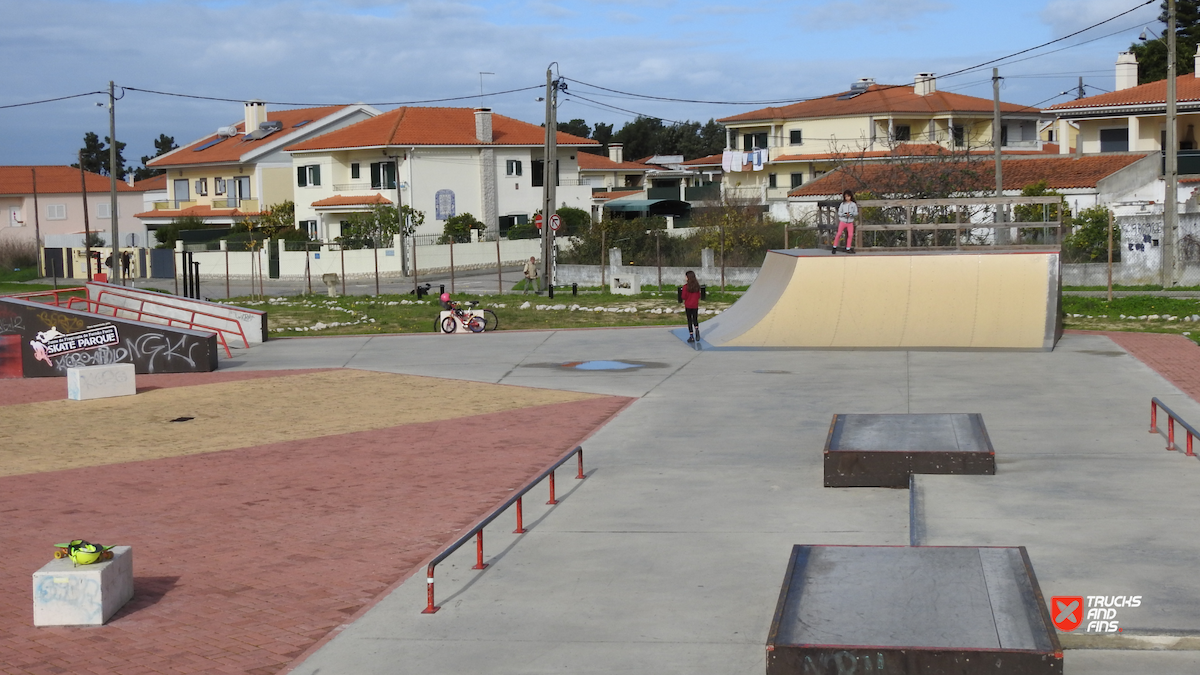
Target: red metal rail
(169,321)
(477,531)
(1155,404)
(56,294)
(238,332)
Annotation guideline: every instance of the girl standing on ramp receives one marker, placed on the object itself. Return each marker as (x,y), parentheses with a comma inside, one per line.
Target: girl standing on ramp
(847,215)
(691,306)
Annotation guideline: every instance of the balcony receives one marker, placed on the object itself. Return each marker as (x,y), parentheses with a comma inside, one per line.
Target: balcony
(250,205)
(173,205)
(361,186)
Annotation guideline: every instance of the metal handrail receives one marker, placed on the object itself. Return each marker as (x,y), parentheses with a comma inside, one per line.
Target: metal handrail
(238,332)
(1172,417)
(170,321)
(477,531)
(55,293)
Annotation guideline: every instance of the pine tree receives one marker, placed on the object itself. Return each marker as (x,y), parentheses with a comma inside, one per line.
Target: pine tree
(1152,54)
(162,146)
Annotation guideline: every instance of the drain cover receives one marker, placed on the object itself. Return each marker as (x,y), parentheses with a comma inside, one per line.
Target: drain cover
(774,372)
(183,419)
(601,365)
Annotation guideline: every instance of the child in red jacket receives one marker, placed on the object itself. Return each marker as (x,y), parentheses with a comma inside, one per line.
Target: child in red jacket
(691,306)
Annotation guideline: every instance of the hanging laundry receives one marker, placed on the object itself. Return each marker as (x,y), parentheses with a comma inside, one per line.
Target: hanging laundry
(759,158)
(737,160)
(727,161)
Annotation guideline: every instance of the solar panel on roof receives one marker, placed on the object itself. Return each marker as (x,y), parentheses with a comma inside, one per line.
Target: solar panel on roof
(301,123)
(208,144)
(848,96)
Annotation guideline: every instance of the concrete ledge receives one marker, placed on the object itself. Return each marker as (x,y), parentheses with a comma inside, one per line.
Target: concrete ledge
(88,382)
(86,595)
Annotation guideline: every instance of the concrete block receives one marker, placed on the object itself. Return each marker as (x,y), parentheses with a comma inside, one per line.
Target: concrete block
(86,595)
(88,382)
(626,284)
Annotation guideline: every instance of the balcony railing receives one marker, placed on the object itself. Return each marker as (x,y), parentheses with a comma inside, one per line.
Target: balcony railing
(361,185)
(231,203)
(173,205)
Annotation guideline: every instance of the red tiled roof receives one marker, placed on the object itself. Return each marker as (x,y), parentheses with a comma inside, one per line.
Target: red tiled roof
(711,160)
(608,196)
(909,150)
(432,126)
(1187,88)
(18,180)
(593,162)
(200,211)
(339,200)
(879,99)
(1060,173)
(158,182)
(231,149)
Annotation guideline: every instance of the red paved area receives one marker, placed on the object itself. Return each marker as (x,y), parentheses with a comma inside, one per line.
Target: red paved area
(1172,356)
(245,558)
(39,389)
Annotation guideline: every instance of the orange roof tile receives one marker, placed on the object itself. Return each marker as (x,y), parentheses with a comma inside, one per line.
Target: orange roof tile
(711,160)
(607,196)
(158,182)
(200,211)
(1187,89)
(592,162)
(878,99)
(1060,173)
(339,200)
(18,180)
(431,126)
(231,149)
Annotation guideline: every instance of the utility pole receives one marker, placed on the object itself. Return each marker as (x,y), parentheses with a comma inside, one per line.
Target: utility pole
(37,226)
(1079,91)
(87,230)
(1171,200)
(1001,238)
(549,176)
(112,182)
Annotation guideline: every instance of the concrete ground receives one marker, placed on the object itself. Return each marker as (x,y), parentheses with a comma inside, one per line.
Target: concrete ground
(669,558)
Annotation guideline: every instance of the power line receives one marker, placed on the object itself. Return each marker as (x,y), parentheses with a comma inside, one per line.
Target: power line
(51,100)
(314,105)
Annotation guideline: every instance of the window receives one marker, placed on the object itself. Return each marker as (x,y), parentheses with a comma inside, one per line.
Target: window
(355,170)
(958,134)
(219,186)
(202,186)
(903,132)
(308,175)
(383,175)
(797,180)
(512,167)
(1003,135)
(1114,140)
(104,210)
(56,211)
(772,181)
(181,191)
(733,139)
(309,226)
(752,141)
(796,137)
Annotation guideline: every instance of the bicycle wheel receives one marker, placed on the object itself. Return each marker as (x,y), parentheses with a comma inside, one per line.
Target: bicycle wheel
(448,324)
(490,320)
(476,324)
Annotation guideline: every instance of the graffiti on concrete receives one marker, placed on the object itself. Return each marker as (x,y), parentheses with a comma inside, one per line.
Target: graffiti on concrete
(59,320)
(153,351)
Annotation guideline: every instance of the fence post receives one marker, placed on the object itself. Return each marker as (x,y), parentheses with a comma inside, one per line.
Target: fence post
(1153,417)
(479,564)
(342,253)
(499,267)
(520,518)
(375,251)
(452,264)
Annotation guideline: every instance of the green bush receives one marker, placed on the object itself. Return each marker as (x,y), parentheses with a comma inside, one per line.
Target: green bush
(1088,241)
(459,229)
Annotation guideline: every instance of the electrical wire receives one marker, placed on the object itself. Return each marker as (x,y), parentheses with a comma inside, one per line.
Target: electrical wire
(314,105)
(51,100)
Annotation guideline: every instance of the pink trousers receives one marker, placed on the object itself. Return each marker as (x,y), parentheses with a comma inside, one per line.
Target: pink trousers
(848,228)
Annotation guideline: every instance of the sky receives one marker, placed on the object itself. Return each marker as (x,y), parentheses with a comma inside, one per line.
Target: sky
(741,53)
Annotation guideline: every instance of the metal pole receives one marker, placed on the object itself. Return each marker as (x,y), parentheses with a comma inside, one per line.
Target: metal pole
(1171,200)
(416,281)
(261,292)
(603,256)
(375,251)
(342,251)
(452,264)
(87,230)
(112,181)
(658,254)
(723,257)
(1110,252)
(1001,238)
(37,227)
(307,268)
(499,268)
(227,294)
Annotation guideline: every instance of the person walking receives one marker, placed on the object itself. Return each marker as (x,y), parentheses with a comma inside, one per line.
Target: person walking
(847,216)
(531,276)
(691,306)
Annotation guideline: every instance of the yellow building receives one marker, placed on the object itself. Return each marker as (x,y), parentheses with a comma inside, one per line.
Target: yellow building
(242,170)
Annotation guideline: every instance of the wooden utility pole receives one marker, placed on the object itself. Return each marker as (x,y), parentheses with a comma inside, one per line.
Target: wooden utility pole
(87,230)
(997,139)
(112,182)
(1171,199)
(549,176)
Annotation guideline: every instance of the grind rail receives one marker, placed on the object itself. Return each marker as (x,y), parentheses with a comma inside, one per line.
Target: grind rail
(477,531)
(1172,418)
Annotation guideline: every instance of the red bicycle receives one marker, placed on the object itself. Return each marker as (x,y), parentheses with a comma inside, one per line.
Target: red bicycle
(472,322)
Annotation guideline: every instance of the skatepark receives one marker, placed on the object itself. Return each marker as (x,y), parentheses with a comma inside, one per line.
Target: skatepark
(704,468)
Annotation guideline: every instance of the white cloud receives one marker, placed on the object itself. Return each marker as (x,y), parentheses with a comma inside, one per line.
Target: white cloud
(1067,16)
(851,15)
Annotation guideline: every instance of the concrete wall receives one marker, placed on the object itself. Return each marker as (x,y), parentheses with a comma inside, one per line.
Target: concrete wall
(231,320)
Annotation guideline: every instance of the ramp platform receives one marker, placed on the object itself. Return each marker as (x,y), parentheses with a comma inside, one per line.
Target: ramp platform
(909,611)
(884,450)
(905,300)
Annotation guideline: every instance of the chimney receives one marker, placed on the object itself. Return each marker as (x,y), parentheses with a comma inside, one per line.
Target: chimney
(924,84)
(256,113)
(615,152)
(1197,63)
(1127,75)
(483,124)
